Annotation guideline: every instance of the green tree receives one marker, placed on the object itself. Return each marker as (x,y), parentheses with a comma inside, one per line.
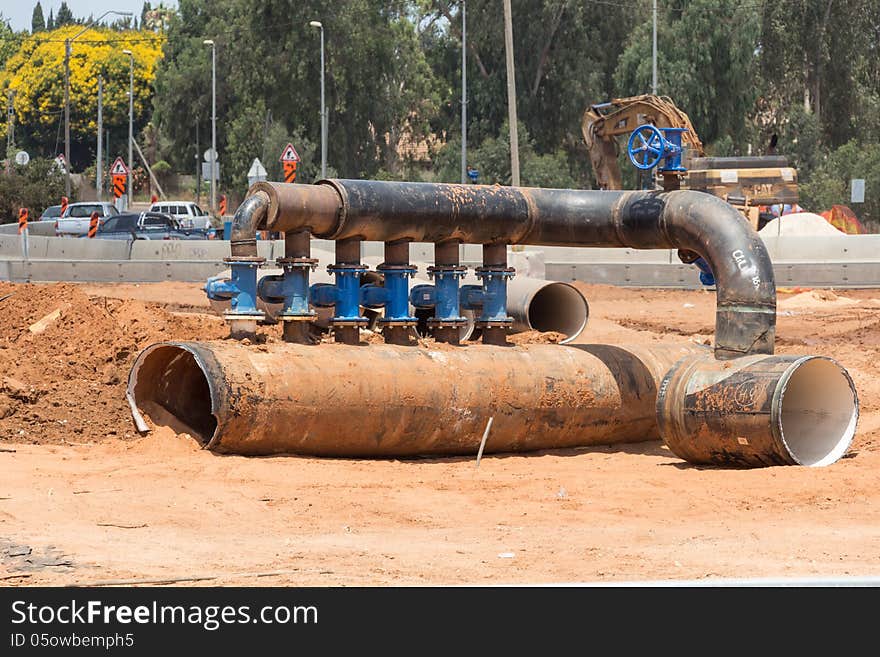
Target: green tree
(830,183)
(380,91)
(65,16)
(38,22)
(35,187)
(50,22)
(710,76)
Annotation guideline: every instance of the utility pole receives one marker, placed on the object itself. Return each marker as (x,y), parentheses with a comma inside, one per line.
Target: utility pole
(463,92)
(511,94)
(67,118)
(130,190)
(320,26)
(213,158)
(198,167)
(99,173)
(654,54)
(10,130)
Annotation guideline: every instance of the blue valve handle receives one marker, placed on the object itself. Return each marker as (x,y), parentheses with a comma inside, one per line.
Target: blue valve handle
(645,147)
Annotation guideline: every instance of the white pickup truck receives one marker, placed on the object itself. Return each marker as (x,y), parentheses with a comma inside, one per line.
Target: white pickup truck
(187,213)
(75,219)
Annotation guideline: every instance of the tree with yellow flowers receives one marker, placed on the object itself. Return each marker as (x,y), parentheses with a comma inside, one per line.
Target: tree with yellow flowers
(36,74)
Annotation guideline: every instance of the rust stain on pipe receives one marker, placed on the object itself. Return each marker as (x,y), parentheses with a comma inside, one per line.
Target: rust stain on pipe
(385,400)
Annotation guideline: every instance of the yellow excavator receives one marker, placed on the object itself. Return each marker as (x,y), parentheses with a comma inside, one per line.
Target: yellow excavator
(745,182)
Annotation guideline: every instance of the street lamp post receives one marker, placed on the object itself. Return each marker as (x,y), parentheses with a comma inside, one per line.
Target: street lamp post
(213,158)
(463,92)
(67,43)
(130,124)
(320,26)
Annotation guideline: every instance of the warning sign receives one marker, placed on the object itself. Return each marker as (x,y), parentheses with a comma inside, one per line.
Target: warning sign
(289,154)
(119,168)
(118,185)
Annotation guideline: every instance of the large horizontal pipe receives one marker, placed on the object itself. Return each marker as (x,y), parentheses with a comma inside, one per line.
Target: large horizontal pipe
(758,410)
(426,212)
(385,400)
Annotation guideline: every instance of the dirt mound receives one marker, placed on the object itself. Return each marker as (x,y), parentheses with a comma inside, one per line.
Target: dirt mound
(65,357)
(817,299)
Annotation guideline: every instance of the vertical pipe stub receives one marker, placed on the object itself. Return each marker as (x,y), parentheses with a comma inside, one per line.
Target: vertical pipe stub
(758,410)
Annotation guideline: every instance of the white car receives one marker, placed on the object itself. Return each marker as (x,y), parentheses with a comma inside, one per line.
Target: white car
(187,213)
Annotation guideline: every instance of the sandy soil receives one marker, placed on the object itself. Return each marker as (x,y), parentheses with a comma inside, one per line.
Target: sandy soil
(84,500)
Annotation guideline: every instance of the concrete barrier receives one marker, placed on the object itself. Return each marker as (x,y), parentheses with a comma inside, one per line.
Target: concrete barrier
(844,261)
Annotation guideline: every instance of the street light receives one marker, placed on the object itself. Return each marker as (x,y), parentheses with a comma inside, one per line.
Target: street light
(323,107)
(463,92)
(213,158)
(67,43)
(130,121)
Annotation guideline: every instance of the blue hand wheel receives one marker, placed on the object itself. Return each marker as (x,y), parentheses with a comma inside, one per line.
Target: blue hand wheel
(645,147)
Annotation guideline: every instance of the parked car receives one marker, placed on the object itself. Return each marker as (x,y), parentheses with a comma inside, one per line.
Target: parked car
(51,213)
(147,226)
(187,213)
(76,218)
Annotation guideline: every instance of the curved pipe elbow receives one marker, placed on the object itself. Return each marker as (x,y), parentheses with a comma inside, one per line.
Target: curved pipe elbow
(247,219)
(745,320)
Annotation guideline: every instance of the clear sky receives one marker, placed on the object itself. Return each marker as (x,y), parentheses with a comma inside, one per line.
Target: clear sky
(18,12)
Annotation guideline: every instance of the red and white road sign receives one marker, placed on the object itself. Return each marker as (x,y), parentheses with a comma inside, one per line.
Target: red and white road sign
(289,154)
(119,168)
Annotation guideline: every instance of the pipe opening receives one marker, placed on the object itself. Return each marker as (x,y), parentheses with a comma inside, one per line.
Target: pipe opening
(819,412)
(559,307)
(170,386)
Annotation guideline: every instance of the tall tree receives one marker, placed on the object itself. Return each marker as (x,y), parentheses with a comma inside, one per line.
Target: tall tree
(38,22)
(711,77)
(65,16)
(50,22)
(380,92)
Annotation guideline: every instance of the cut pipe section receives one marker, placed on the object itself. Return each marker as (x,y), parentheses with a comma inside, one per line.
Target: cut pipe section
(539,305)
(758,410)
(388,400)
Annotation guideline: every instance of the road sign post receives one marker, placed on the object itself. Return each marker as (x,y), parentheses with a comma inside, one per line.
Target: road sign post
(120,175)
(289,158)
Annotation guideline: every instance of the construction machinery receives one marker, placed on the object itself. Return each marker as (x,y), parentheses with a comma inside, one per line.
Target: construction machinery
(745,182)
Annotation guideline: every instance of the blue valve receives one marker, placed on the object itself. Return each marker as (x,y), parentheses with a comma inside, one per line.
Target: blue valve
(648,146)
(290,289)
(240,289)
(344,295)
(490,297)
(706,276)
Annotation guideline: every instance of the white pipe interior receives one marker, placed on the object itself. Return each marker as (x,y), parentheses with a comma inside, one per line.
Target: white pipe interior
(819,413)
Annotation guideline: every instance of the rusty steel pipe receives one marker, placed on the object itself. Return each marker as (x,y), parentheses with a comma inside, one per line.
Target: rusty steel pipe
(758,410)
(428,212)
(387,400)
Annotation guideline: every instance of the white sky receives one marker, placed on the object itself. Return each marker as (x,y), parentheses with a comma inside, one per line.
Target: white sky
(18,12)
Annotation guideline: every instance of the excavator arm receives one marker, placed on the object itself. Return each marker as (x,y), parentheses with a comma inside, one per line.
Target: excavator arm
(603,122)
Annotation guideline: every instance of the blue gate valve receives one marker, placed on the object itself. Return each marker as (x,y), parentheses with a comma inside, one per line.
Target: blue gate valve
(490,297)
(291,289)
(648,146)
(344,295)
(241,290)
(394,296)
